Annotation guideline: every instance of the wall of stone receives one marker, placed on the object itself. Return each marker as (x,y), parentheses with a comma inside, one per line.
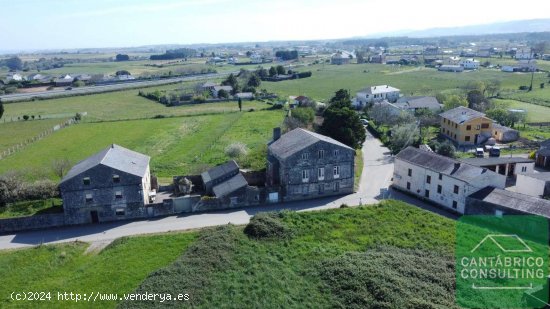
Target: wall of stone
(31,223)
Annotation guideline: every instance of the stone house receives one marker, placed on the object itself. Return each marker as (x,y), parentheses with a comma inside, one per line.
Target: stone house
(542,156)
(110,185)
(534,184)
(504,134)
(465,126)
(304,165)
(441,180)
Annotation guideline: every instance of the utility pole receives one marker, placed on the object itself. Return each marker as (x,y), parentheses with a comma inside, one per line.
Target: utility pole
(532,76)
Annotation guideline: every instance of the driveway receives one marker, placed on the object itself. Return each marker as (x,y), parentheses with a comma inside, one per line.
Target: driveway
(375,179)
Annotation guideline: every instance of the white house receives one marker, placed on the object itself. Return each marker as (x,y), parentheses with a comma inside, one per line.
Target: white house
(442,180)
(14,76)
(376,94)
(524,54)
(469,64)
(256,58)
(534,184)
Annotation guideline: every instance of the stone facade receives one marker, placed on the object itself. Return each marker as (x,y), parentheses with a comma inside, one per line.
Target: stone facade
(31,223)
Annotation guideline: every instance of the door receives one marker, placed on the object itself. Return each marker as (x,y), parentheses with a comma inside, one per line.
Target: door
(95,217)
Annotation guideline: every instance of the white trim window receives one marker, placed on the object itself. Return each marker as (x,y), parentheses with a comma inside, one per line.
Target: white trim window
(321,173)
(321,154)
(336,171)
(89,198)
(118,194)
(305,175)
(305,156)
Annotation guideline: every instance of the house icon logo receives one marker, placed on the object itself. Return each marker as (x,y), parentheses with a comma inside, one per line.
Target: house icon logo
(494,238)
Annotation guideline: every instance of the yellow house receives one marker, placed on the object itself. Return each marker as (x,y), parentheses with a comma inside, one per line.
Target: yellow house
(466,126)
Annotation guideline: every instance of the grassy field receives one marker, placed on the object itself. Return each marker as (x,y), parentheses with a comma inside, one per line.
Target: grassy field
(327,79)
(66,268)
(29,208)
(12,133)
(177,146)
(535,113)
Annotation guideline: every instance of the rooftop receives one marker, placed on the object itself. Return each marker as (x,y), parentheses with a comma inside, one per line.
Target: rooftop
(542,176)
(297,140)
(461,114)
(378,89)
(495,161)
(116,157)
(231,185)
(441,164)
(418,102)
(220,171)
(513,200)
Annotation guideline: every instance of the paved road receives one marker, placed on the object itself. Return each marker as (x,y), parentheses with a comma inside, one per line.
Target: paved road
(104,88)
(377,173)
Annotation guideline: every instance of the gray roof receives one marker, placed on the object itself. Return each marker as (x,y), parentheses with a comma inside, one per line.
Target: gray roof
(497,126)
(226,88)
(378,89)
(297,140)
(441,164)
(231,185)
(513,200)
(418,102)
(116,157)
(545,144)
(544,152)
(541,176)
(495,161)
(209,84)
(220,171)
(461,114)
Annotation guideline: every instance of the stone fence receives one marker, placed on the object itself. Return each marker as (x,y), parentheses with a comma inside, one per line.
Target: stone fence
(32,222)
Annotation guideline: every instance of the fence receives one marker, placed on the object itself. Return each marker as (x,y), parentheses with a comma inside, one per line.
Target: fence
(13,149)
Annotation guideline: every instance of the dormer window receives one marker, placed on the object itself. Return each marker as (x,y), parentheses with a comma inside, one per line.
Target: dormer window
(86,181)
(116,178)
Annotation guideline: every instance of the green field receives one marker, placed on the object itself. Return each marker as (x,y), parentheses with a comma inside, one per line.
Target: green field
(12,133)
(535,113)
(177,145)
(227,268)
(59,268)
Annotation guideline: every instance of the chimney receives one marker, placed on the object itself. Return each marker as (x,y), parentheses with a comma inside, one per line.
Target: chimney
(276,133)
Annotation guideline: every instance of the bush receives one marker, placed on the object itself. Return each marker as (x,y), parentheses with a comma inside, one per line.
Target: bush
(236,150)
(532,155)
(267,225)
(79,83)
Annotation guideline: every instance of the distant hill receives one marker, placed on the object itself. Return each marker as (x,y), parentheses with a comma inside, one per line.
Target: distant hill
(531,25)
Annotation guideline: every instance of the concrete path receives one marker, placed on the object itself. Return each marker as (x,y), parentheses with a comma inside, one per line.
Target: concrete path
(375,179)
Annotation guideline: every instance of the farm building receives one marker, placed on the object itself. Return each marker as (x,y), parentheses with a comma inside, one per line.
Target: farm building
(451,68)
(112,184)
(509,167)
(304,165)
(417,103)
(497,202)
(442,180)
(465,126)
(341,57)
(245,95)
(469,64)
(534,184)
(504,134)
(66,80)
(542,156)
(373,94)
(216,90)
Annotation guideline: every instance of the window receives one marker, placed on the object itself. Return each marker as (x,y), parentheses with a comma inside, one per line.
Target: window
(336,171)
(439,189)
(498,213)
(118,194)
(116,178)
(120,212)
(428,179)
(455,204)
(336,186)
(89,198)
(305,156)
(321,173)
(456,125)
(467,138)
(336,152)
(408,185)
(427,193)
(86,181)
(468,127)
(410,172)
(305,175)
(321,188)
(440,176)
(321,154)
(485,126)
(455,189)
(478,127)
(524,169)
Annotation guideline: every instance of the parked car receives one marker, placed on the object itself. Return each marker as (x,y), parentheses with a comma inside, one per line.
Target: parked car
(364,122)
(494,152)
(479,152)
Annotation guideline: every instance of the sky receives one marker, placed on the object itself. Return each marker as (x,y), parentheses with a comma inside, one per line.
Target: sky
(64,24)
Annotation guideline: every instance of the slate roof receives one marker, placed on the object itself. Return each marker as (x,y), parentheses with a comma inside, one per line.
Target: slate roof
(378,89)
(418,102)
(461,114)
(497,126)
(514,200)
(545,144)
(541,176)
(116,157)
(231,185)
(209,84)
(441,164)
(220,171)
(544,152)
(297,140)
(226,88)
(495,161)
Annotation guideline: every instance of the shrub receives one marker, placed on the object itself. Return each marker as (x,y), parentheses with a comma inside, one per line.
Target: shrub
(267,225)
(25,117)
(236,150)
(532,155)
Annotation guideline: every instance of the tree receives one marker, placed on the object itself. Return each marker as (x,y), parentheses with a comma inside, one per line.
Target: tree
(493,87)
(240,103)
(281,70)
(25,117)
(122,72)
(60,167)
(254,81)
(233,82)
(446,149)
(477,101)
(223,94)
(453,101)
(499,115)
(404,136)
(382,115)
(305,115)
(342,123)
(121,57)
(1,109)
(272,71)
(14,63)
(262,73)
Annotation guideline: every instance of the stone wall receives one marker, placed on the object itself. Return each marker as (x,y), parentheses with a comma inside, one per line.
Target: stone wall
(254,178)
(31,223)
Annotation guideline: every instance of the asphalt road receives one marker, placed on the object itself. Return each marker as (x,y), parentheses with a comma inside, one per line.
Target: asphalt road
(376,177)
